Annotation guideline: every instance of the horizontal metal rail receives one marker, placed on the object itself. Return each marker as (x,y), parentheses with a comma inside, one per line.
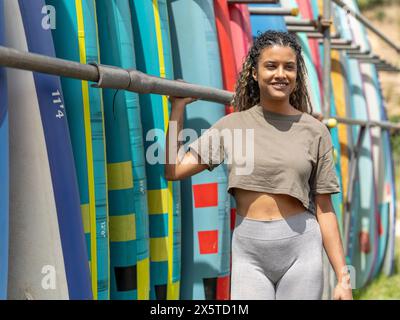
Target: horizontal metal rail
(292,21)
(274,11)
(306,29)
(132,80)
(319,35)
(254,1)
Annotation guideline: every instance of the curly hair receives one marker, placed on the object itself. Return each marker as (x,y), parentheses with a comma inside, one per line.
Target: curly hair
(247,92)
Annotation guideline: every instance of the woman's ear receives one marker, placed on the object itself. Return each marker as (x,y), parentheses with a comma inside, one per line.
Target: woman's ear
(254,73)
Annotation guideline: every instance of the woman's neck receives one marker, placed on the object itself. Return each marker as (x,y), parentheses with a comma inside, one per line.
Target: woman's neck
(279,106)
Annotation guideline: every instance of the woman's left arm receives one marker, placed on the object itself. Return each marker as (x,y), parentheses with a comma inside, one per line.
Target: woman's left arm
(333,245)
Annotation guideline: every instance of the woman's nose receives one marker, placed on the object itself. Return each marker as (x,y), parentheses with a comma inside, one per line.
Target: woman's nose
(280,72)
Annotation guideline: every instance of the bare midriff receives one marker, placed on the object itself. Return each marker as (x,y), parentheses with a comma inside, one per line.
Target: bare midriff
(266,206)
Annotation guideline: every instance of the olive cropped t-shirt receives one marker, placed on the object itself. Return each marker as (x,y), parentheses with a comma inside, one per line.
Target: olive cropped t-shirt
(272,152)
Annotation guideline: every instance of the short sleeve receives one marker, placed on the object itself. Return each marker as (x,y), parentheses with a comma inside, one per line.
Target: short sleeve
(209,146)
(324,179)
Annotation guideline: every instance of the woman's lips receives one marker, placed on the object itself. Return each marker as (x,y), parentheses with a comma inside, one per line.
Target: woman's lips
(279,86)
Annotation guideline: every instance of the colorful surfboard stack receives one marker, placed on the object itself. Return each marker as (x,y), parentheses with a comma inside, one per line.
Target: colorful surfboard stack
(87,164)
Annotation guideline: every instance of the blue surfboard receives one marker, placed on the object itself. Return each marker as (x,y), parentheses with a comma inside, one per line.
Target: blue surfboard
(205,202)
(4,172)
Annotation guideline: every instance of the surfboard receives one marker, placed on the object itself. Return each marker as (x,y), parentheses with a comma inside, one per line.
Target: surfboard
(205,202)
(361,249)
(154,56)
(129,234)
(75,38)
(228,63)
(338,107)
(226,51)
(4,171)
(380,152)
(47,248)
(241,32)
(389,260)
(306,11)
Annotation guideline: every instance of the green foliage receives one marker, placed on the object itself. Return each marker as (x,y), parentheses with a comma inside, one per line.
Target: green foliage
(395,138)
(370,4)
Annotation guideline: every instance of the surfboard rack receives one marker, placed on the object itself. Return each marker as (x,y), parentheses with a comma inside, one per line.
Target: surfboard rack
(367,24)
(133,80)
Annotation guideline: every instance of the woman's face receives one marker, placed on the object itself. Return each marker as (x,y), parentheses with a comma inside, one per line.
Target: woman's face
(276,72)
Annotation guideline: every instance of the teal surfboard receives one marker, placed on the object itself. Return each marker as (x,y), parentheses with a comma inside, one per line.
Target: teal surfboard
(205,202)
(76,39)
(361,248)
(154,57)
(381,154)
(127,191)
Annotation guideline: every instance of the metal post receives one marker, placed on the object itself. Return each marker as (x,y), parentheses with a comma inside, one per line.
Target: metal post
(326,23)
(353,176)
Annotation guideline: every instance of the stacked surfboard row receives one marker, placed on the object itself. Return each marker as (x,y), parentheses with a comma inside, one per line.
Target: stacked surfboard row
(85,209)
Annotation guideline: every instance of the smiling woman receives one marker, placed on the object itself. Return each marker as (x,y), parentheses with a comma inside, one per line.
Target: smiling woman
(284,210)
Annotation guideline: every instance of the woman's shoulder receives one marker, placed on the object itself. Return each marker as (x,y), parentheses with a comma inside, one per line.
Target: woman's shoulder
(229,120)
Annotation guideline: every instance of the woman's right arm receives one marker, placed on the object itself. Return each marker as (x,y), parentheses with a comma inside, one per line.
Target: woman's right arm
(175,168)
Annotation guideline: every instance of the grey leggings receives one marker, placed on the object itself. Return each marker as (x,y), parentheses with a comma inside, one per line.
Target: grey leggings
(277,259)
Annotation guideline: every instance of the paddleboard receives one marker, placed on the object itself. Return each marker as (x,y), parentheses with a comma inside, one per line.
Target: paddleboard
(47,248)
(362,249)
(129,234)
(241,32)
(205,202)
(4,171)
(154,56)
(373,107)
(381,154)
(75,38)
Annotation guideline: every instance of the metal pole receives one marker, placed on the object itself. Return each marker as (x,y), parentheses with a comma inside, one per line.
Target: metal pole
(291,21)
(34,62)
(132,80)
(344,47)
(320,35)
(382,124)
(254,1)
(366,23)
(275,11)
(338,41)
(353,169)
(302,29)
(326,23)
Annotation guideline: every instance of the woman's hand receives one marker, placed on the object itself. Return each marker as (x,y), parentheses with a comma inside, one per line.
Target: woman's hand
(180,100)
(342,292)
